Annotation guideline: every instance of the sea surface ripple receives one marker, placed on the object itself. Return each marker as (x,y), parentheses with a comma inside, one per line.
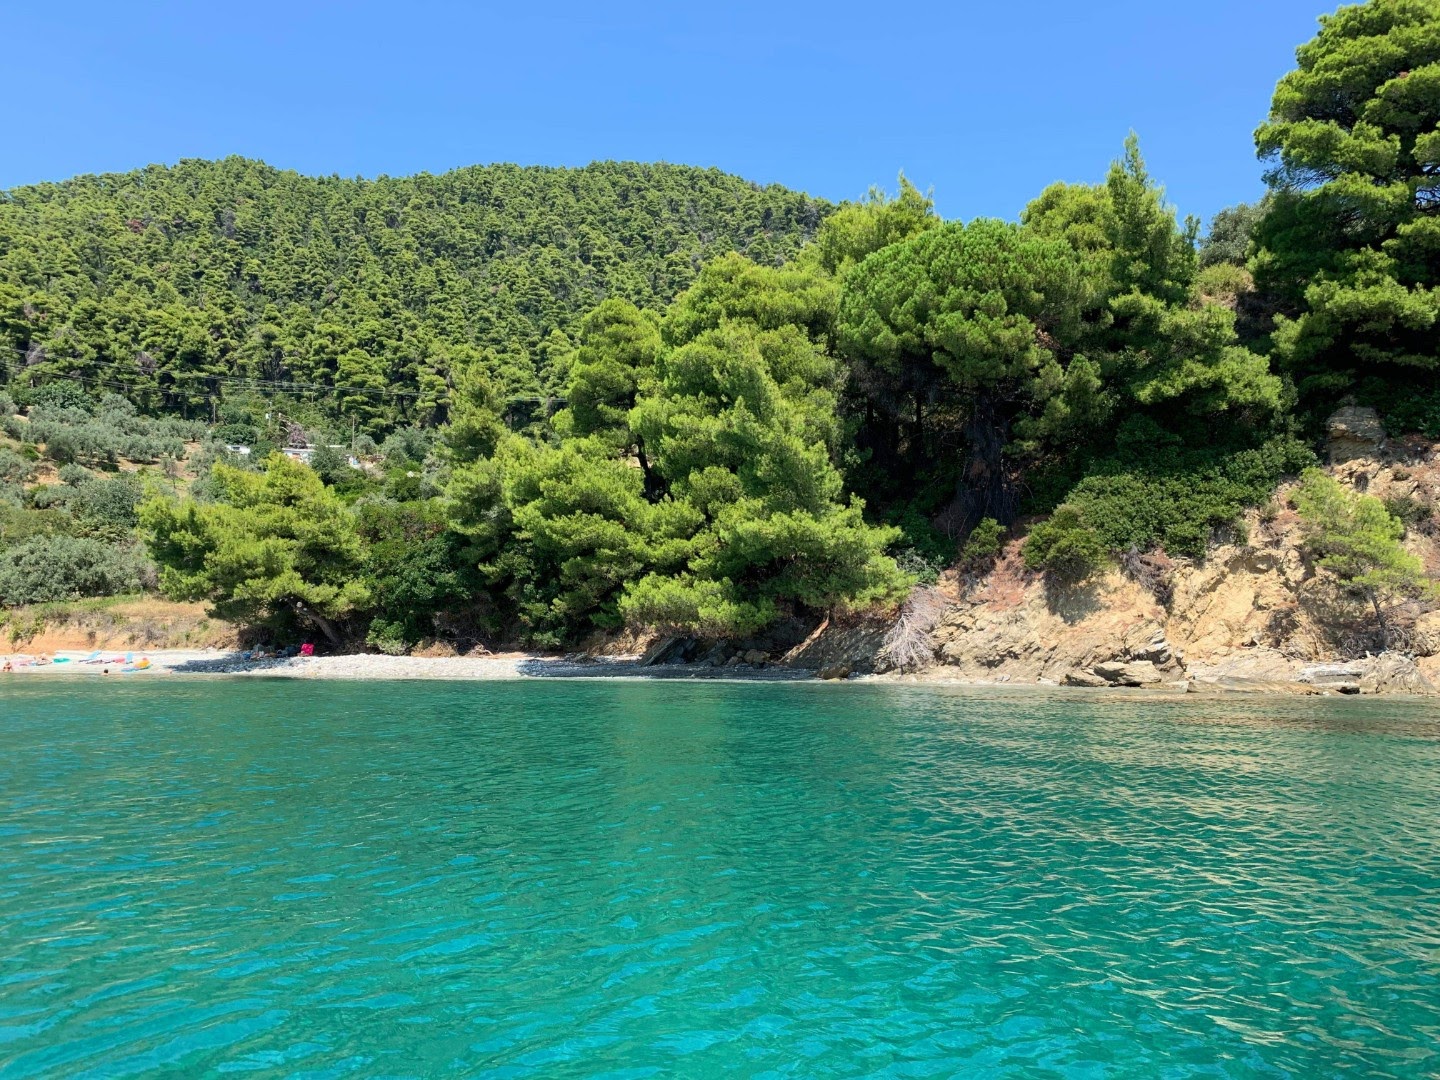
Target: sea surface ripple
(632,879)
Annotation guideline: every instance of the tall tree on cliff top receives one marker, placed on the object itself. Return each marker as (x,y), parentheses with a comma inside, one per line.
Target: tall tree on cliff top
(1350,248)
(1158,347)
(978,309)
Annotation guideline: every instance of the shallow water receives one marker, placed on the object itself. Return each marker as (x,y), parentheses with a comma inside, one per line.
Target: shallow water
(630,879)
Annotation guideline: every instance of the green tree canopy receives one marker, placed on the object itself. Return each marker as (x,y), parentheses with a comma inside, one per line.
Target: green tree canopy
(979,312)
(182,284)
(1350,245)
(276,541)
(860,229)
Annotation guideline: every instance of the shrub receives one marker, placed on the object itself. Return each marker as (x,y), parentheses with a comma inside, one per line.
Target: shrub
(1408,509)
(18,524)
(114,408)
(1066,546)
(913,563)
(388,637)
(333,467)
(50,496)
(237,434)
(1354,538)
(984,542)
(1179,501)
(62,395)
(1405,404)
(7,404)
(75,475)
(59,444)
(406,445)
(1223,282)
(14,468)
(46,568)
(107,508)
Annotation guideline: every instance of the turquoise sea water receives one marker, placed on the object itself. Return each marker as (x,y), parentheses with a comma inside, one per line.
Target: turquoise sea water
(634,879)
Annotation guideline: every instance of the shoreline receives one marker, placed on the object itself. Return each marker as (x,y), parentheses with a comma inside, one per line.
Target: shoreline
(370,667)
(365,667)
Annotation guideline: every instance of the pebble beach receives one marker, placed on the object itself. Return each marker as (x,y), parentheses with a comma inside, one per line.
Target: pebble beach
(166,662)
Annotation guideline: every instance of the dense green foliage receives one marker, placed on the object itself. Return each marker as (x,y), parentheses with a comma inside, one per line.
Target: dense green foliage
(540,403)
(174,284)
(1349,248)
(273,541)
(1357,540)
(45,568)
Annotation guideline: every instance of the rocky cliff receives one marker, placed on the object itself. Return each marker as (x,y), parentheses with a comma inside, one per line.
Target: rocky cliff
(1253,615)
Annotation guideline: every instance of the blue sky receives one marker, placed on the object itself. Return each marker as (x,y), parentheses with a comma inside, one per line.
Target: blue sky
(984,102)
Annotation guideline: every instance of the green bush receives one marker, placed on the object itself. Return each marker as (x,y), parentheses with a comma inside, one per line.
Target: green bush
(1223,282)
(75,475)
(236,434)
(1180,500)
(19,523)
(14,468)
(107,508)
(1409,405)
(984,542)
(1354,538)
(1066,546)
(49,496)
(388,637)
(406,446)
(1409,510)
(333,467)
(59,395)
(46,568)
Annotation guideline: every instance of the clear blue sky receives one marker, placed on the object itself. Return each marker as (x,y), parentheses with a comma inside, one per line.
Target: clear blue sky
(986,102)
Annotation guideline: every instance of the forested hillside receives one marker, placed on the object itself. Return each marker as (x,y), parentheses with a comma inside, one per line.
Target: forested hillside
(660,397)
(172,285)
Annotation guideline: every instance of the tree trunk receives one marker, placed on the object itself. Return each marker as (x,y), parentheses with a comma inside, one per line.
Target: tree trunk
(1380,618)
(326,626)
(984,489)
(655,486)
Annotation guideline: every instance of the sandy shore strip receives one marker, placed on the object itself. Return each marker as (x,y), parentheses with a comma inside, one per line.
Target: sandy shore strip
(212,662)
(164,662)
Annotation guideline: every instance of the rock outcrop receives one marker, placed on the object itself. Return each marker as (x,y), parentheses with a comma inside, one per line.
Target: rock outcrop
(1354,431)
(1254,615)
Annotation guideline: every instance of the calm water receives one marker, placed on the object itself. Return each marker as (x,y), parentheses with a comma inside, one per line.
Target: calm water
(626,879)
